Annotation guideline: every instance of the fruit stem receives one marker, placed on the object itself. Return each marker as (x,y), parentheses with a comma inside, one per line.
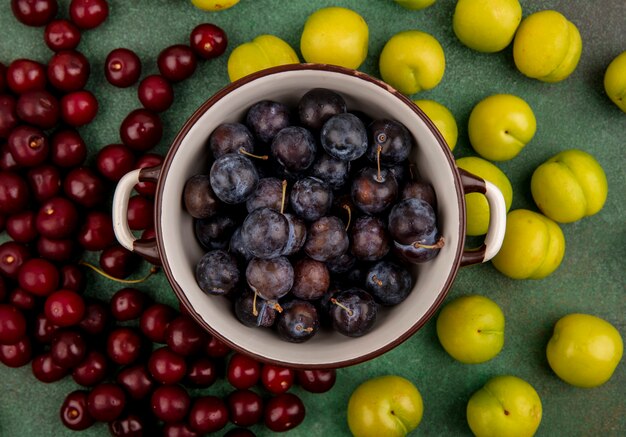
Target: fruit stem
(340,305)
(245,152)
(152,271)
(379,148)
(276,306)
(377,281)
(282,202)
(300,328)
(438,244)
(254,311)
(411,174)
(347,208)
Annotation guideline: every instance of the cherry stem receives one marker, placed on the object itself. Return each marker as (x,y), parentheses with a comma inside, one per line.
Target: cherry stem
(282,202)
(379,149)
(152,271)
(377,281)
(245,152)
(340,305)
(349,210)
(438,245)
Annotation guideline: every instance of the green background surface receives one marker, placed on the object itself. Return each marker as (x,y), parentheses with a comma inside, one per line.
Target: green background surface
(575,113)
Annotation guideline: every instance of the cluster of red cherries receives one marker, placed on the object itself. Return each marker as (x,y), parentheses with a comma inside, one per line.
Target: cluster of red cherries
(51,207)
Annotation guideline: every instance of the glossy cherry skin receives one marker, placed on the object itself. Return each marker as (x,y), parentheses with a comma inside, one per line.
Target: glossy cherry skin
(92,370)
(284,412)
(118,262)
(61,35)
(184,336)
(34,12)
(46,370)
(97,231)
(44,329)
(124,346)
(243,371)
(21,227)
(12,324)
(316,381)
(58,250)
(277,379)
(39,108)
(245,407)
(140,213)
(79,108)
(88,14)
(154,321)
(208,414)
(74,412)
(68,70)
(130,425)
(44,182)
(73,278)
(216,348)
(17,354)
(170,403)
(106,402)
(8,115)
(166,366)
(65,308)
(67,149)
(26,75)
(177,62)
(84,186)
(147,160)
(68,349)
(7,162)
(128,304)
(136,380)
(28,146)
(208,41)
(114,161)
(155,93)
(178,430)
(141,130)
(13,193)
(122,67)
(96,317)
(202,372)
(22,300)
(57,218)
(12,257)
(38,276)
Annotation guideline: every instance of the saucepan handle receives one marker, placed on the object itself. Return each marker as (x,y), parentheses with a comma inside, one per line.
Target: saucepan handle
(146,248)
(497,219)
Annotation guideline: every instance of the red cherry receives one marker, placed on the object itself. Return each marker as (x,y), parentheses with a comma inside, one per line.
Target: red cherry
(84,186)
(118,262)
(26,75)
(316,381)
(106,402)
(124,346)
(216,348)
(39,108)
(154,321)
(284,412)
(65,308)
(44,329)
(88,14)
(57,218)
(44,182)
(177,62)
(12,257)
(38,276)
(60,250)
(114,161)
(148,234)
(73,278)
(28,145)
(17,354)
(46,370)
(170,403)
(22,300)
(92,370)
(208,414)
(166,366)
(140,213)
(184,336)
(128,303)
(74,412)
(96,317)
(61,35)
(147,160)
(34,12)
(67,149)
(122,67)
(8,115)
(97,231)
(178,430)
(13,193)
(243,371)
(131,425)
(136,380)
(277,379)
(155,93)
(208,40)
(68,349)
(78,108)
(21,227)
(245,407)
(68,70)
(141,130)
(202,372)
(12,324)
